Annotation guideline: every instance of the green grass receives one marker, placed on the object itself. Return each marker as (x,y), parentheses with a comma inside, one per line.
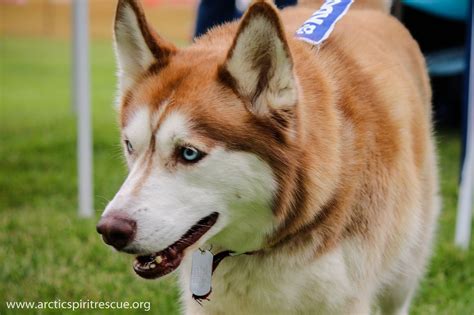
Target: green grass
(48,253)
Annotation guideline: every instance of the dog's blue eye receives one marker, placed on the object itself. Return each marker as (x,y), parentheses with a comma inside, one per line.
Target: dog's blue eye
(190,154)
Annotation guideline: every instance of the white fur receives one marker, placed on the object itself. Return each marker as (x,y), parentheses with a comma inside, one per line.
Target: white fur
(166,202)
(259,38)
(173,131)
(156,116)
(343,281)
(138,132)
(285,284)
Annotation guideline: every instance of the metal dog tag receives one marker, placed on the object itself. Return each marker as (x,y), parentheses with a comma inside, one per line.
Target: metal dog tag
(201,273)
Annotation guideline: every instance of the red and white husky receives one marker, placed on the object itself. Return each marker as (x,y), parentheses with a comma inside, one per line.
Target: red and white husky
(318,160)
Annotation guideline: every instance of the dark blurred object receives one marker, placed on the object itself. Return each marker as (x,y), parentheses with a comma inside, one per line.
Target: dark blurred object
(442,40)
(215,12)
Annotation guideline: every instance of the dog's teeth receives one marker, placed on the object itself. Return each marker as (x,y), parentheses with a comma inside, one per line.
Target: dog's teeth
(152,266)
(158,259)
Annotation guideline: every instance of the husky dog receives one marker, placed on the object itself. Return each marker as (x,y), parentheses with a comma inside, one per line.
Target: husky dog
(316,163)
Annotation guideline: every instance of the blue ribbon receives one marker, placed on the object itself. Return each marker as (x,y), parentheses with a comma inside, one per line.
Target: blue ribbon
(320,25)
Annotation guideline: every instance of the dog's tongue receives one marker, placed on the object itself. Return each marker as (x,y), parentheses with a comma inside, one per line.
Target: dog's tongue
(158,264)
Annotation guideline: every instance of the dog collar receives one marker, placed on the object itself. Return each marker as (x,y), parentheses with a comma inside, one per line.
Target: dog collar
(320,25)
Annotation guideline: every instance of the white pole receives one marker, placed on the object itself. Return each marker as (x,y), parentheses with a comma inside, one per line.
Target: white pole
(81,90)
(466,189)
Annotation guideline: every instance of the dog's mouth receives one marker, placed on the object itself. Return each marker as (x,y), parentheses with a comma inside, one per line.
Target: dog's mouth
(158,264)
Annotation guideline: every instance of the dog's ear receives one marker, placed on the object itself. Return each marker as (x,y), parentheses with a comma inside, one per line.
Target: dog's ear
(137,45)
(259,66)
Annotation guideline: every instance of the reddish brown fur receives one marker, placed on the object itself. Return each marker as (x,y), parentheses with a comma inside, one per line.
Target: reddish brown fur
(362,122)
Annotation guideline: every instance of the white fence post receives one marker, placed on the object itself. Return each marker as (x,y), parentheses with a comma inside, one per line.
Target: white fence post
(466,188)
(81,92)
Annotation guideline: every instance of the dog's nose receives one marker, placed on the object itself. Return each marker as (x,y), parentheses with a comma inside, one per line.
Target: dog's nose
(117,230)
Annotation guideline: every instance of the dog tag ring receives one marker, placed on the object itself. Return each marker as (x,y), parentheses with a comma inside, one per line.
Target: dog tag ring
(201,274)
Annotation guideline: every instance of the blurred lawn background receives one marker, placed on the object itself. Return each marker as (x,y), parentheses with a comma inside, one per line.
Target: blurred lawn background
(46,251)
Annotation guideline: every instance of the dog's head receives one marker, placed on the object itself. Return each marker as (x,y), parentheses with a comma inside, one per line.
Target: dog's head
(206,132)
